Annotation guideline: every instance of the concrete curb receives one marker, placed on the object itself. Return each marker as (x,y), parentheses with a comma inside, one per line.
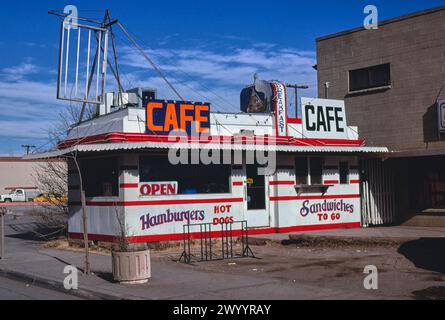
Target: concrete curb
(58,286)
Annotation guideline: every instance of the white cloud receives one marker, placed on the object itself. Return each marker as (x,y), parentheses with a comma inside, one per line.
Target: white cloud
(20,71)
(225,73)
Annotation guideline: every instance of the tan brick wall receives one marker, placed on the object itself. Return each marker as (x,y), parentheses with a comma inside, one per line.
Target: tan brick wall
(404,118)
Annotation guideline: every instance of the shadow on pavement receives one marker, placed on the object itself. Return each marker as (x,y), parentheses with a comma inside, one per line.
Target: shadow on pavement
(425,253)
(35,232)
(432,293)
(107,276)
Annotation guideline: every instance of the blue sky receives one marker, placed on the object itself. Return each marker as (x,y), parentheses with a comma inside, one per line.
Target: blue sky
(199,44)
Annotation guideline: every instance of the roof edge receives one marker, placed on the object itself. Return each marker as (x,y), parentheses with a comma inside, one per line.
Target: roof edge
(384,22)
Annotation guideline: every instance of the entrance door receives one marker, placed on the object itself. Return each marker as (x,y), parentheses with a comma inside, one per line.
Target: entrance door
(256,198)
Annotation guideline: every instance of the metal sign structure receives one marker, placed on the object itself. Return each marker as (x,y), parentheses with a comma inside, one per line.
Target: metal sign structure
(82,63)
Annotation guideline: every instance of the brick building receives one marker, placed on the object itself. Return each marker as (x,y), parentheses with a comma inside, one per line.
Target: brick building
(392,80)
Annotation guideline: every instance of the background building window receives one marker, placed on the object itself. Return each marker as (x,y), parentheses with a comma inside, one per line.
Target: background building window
(369,78)
(308,170)
(191,178)
(344,173)
(100,177)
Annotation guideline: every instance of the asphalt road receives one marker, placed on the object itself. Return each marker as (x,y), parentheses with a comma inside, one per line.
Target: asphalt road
(17,290)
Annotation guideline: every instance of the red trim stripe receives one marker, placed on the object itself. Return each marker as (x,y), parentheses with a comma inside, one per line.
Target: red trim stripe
(114,137)
(158,202)
(355,181)
(331,182)
(282,183)
(339,196)
(129,185)
(295,120)
(237,183)
(196,235)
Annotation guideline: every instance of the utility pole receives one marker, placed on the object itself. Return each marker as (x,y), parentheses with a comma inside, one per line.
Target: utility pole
(296,87)
(84,217)
(326,89)
(27,147)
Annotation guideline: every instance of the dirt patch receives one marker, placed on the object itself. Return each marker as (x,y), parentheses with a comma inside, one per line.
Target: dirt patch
(340,242)
(77,246)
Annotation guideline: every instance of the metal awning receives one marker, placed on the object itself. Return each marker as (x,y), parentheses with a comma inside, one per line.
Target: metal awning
(103,147)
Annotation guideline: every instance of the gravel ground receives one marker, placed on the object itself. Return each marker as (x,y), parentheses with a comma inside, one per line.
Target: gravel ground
(412,270)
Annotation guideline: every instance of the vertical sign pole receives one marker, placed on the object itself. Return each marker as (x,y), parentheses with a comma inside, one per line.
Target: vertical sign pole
(85,232)
(296,101)
(2,233)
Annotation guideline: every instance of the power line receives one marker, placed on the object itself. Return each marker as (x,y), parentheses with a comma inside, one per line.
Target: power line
(188,75)
(28,147)
(159,71)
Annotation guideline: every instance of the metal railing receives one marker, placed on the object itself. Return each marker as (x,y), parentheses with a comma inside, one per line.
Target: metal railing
(215,241)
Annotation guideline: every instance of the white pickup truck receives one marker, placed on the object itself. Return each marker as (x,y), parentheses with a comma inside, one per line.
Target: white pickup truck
(18,195)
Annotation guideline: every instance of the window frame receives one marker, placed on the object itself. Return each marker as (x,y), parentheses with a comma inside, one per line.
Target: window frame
(348,173)
(369,87)
(309,171)
(230,182)
(118,162)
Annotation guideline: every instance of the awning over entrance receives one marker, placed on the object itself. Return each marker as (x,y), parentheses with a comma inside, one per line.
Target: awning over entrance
(103,147)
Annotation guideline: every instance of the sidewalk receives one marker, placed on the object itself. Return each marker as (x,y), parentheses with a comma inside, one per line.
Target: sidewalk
(28,261)
(395,235)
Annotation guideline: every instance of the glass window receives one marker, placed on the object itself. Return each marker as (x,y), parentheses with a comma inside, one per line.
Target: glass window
(344,173)
(301,170)
(100,177)
(368,78)
(316,170)
(305,167)
(191,178)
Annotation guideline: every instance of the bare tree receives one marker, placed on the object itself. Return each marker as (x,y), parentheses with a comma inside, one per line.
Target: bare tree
(51,176)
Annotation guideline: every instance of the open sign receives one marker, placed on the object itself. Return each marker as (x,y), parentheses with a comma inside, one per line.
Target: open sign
(158,188)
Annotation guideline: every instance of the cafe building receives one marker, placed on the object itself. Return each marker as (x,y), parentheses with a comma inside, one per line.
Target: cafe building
(149,169)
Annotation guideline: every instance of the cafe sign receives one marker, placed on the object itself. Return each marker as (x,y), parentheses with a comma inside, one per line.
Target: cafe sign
(324,118)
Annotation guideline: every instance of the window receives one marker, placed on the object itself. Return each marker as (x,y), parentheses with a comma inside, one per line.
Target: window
(308,171)
(191,178)
(100,177)
(344,173)
(301,170)
(369,78)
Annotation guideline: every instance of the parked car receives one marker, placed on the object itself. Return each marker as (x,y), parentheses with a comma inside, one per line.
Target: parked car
(51,198)
(18,195)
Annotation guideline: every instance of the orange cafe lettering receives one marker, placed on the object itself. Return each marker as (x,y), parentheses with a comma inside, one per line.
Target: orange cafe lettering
(163,117)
